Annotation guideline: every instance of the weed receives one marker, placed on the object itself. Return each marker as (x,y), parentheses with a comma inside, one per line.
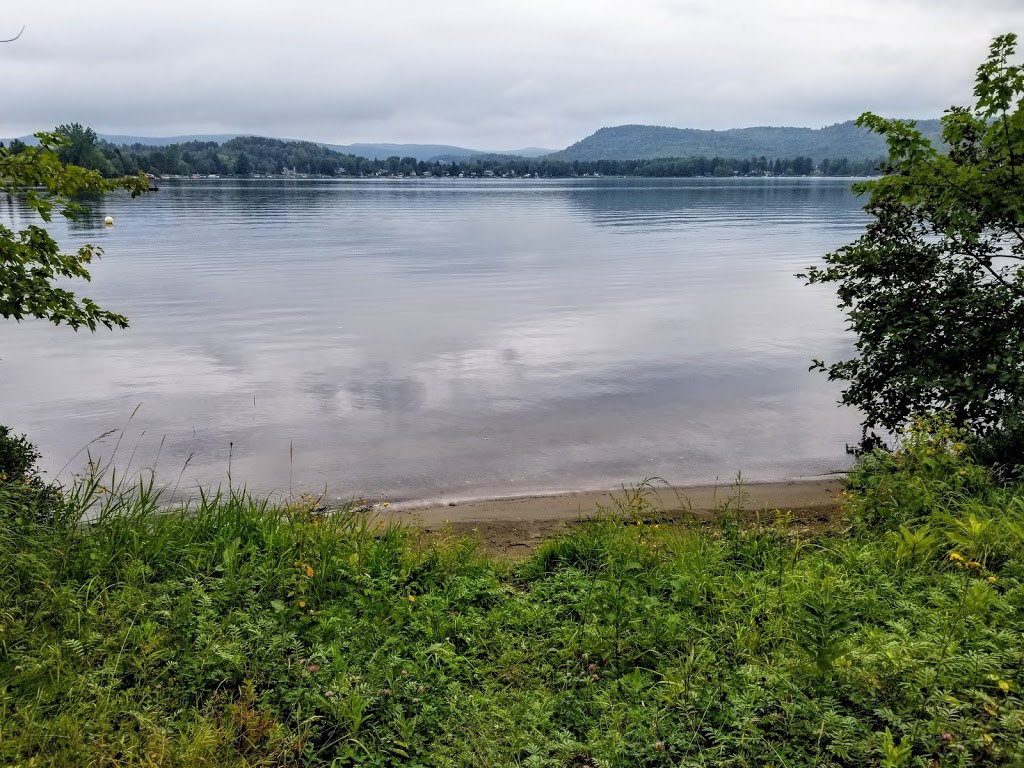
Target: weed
(230,631)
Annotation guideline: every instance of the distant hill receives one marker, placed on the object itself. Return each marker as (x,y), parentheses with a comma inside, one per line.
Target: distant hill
(163,141)
(425,152)
(526,152)
(428,152)
(148,141)
(642,142)
(624,142)
(419,151)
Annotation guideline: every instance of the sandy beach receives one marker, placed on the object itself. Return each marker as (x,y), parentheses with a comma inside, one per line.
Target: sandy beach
(514,526)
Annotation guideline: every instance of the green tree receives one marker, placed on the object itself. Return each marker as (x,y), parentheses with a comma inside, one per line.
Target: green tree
(80,144)
(30,260)
(243,165)
(82,148)
(933,289)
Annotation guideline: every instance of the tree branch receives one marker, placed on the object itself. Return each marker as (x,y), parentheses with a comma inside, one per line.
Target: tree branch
(11,40)
(1009,148)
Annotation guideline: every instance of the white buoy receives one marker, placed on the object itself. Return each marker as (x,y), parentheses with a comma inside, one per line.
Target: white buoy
(109,221)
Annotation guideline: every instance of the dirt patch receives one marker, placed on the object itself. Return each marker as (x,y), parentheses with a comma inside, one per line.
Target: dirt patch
(514,527)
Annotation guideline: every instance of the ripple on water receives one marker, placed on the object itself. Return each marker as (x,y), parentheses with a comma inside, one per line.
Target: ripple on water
(428,337)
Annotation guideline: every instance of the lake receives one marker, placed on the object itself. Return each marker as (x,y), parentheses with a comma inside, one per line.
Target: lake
(445,339)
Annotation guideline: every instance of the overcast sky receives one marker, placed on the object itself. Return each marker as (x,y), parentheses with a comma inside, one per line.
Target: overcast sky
(489,74)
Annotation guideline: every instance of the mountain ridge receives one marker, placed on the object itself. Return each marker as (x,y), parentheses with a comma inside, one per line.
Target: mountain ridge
(645,142)
(625,142)
(371,151)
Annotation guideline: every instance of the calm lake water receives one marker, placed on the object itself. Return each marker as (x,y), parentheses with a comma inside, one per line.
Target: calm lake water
(448,339)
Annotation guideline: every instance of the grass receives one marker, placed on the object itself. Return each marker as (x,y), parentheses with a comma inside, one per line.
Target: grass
(231,632)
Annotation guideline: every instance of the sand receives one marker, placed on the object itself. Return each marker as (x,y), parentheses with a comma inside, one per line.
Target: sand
(513,527)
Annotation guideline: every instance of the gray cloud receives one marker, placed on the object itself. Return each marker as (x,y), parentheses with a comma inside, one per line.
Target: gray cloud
(492,73)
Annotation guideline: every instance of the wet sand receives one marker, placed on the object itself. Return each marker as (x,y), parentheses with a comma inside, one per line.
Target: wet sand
(513,527)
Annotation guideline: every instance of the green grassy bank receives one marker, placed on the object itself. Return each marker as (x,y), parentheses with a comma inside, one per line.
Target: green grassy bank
(241,634)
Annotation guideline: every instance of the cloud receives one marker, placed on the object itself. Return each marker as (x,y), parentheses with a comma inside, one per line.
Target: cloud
(490,74)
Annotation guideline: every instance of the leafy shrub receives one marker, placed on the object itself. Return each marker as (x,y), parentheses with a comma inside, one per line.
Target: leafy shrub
(24,495)
(1003,448)
(933,462)
(18,456)
(935,309)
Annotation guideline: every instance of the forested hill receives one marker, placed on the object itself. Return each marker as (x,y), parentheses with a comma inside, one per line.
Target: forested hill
(642,142)
(428,152)
(256,156)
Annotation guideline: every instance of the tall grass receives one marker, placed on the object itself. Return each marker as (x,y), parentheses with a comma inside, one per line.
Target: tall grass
(233,632)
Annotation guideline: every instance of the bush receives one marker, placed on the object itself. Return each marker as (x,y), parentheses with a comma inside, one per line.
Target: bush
(932,289)
(18,456)
(24,495)
(1003,448)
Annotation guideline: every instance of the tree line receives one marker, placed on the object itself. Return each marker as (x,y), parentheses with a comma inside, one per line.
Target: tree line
(253,155)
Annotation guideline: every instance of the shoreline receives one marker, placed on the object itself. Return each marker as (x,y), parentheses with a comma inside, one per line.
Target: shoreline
(516,525)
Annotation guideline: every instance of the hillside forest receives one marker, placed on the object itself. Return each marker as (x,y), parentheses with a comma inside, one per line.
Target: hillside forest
(258,156)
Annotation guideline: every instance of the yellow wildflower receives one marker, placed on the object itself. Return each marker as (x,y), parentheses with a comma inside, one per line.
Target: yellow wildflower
(412,598)
(956,556)
(309,572)
(302,603)
(963,471)
(656,526)
(992,579)
(974,564)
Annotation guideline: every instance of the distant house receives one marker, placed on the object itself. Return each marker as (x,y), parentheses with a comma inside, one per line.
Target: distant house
(489,174)
(289,172)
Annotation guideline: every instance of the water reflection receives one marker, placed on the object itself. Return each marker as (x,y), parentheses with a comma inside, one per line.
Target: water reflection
(430,338)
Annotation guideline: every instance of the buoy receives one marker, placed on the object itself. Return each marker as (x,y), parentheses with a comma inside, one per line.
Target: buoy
(109,221)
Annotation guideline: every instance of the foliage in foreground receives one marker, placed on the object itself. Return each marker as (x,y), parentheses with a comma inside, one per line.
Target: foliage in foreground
(240,634)
(32,268)
(933,289)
